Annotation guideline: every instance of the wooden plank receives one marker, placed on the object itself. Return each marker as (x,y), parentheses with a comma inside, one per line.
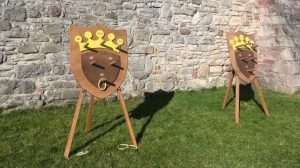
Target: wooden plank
(73,126)
(261,97)
(237,100)
(228,90)
(89,114)
(126,117)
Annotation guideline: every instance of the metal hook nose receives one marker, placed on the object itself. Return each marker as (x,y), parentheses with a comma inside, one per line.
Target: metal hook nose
(102,84)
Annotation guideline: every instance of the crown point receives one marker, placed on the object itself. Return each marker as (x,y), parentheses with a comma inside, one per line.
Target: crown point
(88,35)
(111,36)
(247,39)
(242,37)
(78,39)
(99,33)
(120,41)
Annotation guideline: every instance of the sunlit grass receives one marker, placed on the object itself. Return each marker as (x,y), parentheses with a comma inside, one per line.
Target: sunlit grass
(181,129)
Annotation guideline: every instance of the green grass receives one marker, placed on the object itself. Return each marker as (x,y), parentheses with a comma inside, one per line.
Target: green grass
(181,129)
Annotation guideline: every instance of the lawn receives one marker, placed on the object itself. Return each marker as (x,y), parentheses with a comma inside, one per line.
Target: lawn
(176,129)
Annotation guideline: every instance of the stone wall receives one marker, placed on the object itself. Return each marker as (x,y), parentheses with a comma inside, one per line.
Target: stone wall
(174,44)
(279,37)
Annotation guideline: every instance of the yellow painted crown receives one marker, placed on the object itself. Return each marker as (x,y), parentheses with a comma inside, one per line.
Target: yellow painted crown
(242,42)
(98,43)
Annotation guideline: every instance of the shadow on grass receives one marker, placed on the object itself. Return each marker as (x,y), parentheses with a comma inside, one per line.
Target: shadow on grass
(246,94)
(153,102)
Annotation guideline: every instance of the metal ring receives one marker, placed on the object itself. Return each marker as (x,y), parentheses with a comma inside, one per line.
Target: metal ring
(99,84)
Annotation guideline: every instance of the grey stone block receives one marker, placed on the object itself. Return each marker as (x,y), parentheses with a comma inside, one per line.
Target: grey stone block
(141,35)
(192,40)
(34,13)
(49,48)
(3,99)
(17,33)
(166,12)
(33,70)
(39,38)
(188,11)
(28,49)
(4,25)
(62,84)
(35,103)
(140,67)
(111,15)
(169,81)
(186,71)
(149,12)
(99,8)
(111,6)
(16,2)
(59,70)
(178,39)
(70,93)
(129,6)
(52,95)
(25,86)
(54,28)
(125,14)
(15,14)
(7,86)
(197,2)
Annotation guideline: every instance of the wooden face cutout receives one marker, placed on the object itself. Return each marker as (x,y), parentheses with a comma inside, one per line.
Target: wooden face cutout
(243,55)
(99,58)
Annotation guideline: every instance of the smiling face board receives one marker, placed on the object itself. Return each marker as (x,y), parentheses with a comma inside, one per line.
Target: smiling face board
(99,58)
(243,55)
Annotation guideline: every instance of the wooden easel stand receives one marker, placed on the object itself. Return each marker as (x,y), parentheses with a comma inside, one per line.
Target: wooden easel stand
(237,96)
(89,118)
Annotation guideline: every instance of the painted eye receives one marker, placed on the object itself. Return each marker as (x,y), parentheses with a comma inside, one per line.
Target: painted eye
(110,58)
(91,57)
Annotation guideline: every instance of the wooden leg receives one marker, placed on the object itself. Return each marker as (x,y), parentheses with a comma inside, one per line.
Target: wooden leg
(72,130)
(130,130)
(263,102)
(228,91)
(89,114)
(237,100)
